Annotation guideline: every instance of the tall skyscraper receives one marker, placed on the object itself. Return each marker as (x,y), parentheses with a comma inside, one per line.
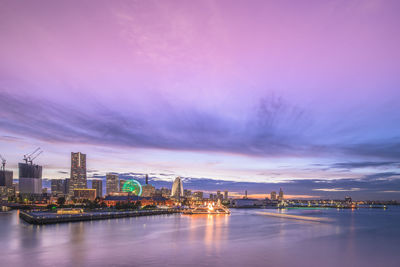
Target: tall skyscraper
(111,183)
(66,186)
(280,198)
(177,188)
(78,178)
(226,195)
(98,185)
(219,195)
(273,195)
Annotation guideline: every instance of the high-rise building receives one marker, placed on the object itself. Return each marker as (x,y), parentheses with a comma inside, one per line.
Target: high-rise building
(280,198)
(165,192)
(187,192)
(226,195)
(78,178)
(177,188)
(121,184)
(57,187)
(111,183)
(198,195)
(273,195)
(66,186)
(30,178)
(98,185)
(6,178)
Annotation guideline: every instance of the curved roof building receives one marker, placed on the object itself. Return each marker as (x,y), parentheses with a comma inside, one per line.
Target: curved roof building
(177,188)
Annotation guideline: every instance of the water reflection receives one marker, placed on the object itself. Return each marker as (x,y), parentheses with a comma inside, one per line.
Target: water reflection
(356,238)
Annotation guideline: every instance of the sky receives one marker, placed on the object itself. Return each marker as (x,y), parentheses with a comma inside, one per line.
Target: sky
(231,95)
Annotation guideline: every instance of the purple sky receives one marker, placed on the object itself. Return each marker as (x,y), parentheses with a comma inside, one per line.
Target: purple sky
(299,94)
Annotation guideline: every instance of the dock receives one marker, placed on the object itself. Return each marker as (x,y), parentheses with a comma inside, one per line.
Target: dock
(49,218)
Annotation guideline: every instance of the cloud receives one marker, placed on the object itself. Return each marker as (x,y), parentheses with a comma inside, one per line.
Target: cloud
(266,132)
(364,164)
(382,176)
(337,189)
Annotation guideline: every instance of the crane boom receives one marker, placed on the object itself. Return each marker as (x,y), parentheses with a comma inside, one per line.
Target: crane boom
(31,159)
(27,157)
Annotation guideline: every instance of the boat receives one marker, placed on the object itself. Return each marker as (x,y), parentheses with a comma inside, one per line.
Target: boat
(210,209)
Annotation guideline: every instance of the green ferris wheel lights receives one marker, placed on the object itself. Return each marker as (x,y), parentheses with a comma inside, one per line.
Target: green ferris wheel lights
(132,186)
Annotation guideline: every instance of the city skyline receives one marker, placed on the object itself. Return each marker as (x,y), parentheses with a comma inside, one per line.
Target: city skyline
(227,95)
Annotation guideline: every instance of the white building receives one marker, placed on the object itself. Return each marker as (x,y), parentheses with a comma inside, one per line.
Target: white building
(177,188)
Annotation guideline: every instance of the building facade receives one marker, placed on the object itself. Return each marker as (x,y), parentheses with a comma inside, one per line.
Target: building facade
(83,193)
(280,198)
(57,187)
(148,190)
(30,179)
(177,188)
(78,179)
(98,185)
(6,178)
(111,183)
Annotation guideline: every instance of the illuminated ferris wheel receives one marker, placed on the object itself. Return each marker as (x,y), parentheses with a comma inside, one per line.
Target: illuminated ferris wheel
(132,186)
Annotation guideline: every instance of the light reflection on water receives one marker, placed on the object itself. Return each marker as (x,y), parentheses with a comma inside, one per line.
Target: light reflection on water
(352,238)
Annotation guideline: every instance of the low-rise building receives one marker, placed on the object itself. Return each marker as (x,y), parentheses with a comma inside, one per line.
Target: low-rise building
(83,193)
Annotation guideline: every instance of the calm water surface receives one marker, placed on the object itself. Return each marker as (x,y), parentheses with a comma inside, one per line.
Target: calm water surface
(245,238)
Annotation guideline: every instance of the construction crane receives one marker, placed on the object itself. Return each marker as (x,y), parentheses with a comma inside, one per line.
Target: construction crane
(3,163)
(27,156)
(34,157)
(31,156)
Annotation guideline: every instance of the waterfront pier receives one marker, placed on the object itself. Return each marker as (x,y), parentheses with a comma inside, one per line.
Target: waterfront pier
(48,218)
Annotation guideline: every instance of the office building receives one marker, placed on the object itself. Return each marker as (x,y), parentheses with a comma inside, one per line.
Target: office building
(177,188)
(57,187)
(280,198)
(198,195)
(219,195)
(83,193)
(111,183)
(165,192)
(98,185)
(6,178)
(30,179)
(66,186)
(187,193)
(148,190)
(78,178)
(273,195)
(226,195)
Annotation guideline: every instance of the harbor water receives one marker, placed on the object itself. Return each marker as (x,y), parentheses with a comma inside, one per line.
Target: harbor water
(247,237)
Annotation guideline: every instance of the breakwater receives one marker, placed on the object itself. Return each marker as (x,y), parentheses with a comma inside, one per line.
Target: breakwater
(48,218)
